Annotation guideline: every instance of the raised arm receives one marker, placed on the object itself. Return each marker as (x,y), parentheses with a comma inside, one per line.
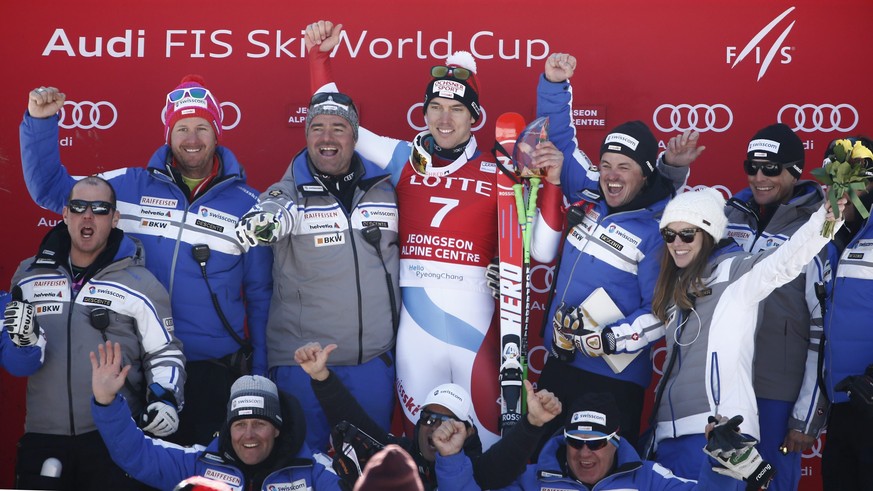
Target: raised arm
(46,178)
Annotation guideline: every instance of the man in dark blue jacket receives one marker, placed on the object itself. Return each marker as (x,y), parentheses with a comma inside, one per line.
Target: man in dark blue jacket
(260,445)
(183,207)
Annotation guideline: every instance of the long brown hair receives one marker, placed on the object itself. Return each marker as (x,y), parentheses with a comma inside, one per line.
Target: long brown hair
(674,283)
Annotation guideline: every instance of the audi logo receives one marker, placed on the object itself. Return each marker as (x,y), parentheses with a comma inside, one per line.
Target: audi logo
(541,277)
(718,187)
(536,359)
(699,117)
(224,118)
(809,117)
(815,450)
(416,109)
(100,115)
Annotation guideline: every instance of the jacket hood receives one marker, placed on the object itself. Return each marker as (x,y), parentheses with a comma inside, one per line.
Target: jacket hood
(553,458)
(657,189)
(230,165)
(54,250)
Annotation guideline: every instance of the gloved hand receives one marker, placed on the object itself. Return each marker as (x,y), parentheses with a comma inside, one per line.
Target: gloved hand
(160,419)
(859,388)
(565,320)
(258,227)
(492,277)
(595,342)
(19,320)
(737,453)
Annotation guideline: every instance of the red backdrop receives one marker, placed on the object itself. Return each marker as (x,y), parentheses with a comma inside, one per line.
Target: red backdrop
(724,70)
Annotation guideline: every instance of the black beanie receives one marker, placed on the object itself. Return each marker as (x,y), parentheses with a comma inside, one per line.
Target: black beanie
(777,143)
(635,140)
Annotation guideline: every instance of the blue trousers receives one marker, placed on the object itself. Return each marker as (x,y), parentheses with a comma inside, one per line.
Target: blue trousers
(773,416)
(372,384)
(684,456)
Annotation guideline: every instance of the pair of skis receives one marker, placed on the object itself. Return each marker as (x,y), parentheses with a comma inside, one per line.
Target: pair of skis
(515,221)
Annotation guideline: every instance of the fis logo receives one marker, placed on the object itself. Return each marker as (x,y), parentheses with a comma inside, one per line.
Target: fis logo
(784,52)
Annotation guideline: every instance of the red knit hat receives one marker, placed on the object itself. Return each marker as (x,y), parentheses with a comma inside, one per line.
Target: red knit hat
(391,469)
(449,86)
(191,99)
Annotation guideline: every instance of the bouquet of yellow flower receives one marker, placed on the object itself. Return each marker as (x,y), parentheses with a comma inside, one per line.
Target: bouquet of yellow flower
(845,173)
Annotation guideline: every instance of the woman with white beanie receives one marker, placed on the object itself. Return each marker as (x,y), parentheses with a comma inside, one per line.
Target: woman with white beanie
(708,292)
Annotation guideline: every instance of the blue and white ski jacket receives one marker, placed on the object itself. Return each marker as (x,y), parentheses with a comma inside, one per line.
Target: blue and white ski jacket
(455,473)
(163,465)
(155,210)
(848,334)
(618,251)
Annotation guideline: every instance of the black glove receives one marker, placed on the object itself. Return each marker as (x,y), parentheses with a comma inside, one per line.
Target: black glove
(860,391)
(353,449)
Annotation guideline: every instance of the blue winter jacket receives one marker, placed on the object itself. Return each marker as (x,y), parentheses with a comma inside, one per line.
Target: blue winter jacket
(155,210)
(848,335)
(616,250)
(163,465)
(455,473)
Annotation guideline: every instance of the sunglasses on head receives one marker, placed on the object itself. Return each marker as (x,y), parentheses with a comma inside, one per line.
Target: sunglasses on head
(192,92)
(79,206)
(593,444)
(455,72)
(686,234)
(337,97)
(429,418)
(770,169)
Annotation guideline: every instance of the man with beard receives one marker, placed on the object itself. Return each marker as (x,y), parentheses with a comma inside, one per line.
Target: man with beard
(181,207)
(332,224)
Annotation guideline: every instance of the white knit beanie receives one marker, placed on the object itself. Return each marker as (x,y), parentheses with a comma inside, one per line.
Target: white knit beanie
(703,208)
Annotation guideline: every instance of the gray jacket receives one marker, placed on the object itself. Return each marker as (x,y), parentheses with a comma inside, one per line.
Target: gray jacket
(138,308)
(712,373)
(790,330)
(329,283)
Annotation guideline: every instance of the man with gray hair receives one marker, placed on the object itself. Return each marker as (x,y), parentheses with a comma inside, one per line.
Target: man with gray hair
(332,224)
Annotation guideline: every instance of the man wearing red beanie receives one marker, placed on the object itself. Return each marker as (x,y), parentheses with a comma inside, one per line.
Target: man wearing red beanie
(182,207)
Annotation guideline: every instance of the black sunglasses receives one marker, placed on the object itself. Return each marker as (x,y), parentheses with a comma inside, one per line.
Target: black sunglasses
(429,418)
(686,234)
(79,206)
(337,97)
(456,72)
(770,169)
(593,445)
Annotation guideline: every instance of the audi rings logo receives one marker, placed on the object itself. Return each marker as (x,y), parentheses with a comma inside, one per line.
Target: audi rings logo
(541,278)
(718,187)
(416,109)
(224,116)
(699,117)
(822,117)
(814,451)
(87,115)
(224,119)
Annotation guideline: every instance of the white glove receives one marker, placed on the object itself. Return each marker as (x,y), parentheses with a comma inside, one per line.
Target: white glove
(737,453)
(160,419)
(19,320)
(258,227)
